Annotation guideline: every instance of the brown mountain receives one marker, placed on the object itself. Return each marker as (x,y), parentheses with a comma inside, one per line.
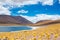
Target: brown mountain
(47,22)
(6,19)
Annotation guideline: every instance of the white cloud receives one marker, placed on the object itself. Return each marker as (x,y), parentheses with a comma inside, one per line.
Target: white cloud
(22,11)
(59,1)
(20,3)
(39,17)
(4,11)
(47,2)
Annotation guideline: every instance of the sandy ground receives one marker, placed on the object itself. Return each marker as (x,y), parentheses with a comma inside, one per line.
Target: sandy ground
(33,28)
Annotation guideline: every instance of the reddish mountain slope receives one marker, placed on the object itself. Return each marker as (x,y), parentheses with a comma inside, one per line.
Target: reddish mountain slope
(5,19)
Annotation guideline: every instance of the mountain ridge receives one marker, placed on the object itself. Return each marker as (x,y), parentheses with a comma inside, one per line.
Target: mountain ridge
(47,22)
(7,19)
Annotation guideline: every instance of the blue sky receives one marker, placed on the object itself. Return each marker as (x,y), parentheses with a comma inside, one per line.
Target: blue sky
(37,9)
(33,10)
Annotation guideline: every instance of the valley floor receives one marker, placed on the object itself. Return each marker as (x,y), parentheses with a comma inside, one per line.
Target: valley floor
(50,32)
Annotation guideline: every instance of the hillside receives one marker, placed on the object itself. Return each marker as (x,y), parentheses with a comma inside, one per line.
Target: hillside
(46,22)
(5,19)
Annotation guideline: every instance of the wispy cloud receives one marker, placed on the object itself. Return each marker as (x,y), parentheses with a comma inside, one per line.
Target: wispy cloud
(22,11)
(59,1)
(47,2)
(4,11)
(39,17)
(19,3)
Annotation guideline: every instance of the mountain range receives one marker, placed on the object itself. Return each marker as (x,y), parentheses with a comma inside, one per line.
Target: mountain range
(18,20)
